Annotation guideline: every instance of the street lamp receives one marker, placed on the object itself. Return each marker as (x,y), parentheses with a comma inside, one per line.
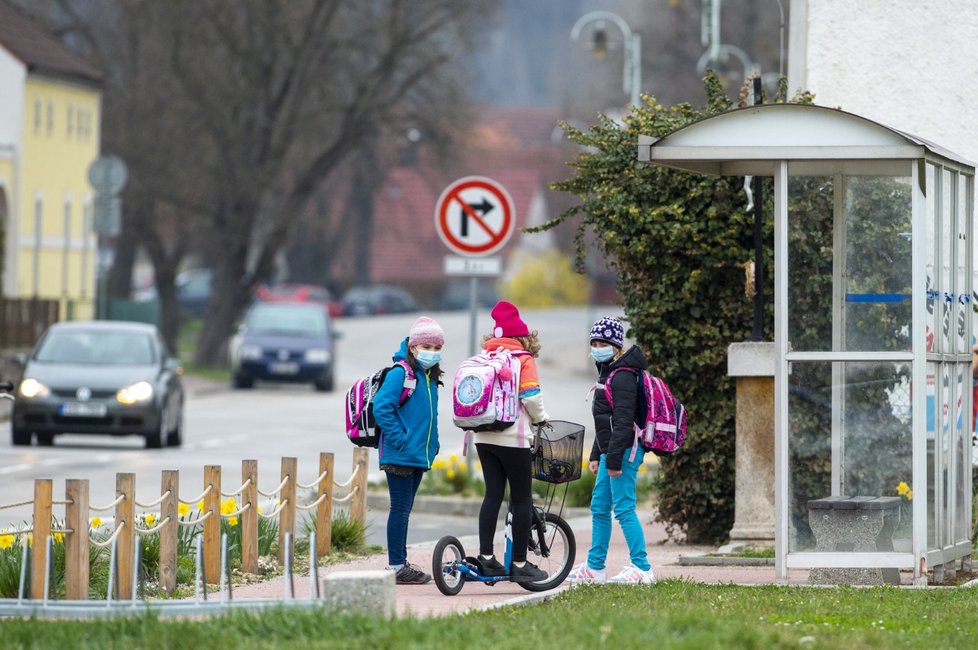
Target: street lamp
(599,44)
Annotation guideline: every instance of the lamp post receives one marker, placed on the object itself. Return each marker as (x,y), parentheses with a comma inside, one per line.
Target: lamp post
(632,69)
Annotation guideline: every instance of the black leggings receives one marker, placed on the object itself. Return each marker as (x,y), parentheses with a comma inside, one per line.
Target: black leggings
(499,465)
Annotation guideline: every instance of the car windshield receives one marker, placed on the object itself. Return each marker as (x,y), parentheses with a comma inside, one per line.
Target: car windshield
(286,320)
(97,348)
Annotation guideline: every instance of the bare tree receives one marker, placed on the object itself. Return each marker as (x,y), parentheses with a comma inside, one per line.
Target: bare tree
(283,93)
(233,113)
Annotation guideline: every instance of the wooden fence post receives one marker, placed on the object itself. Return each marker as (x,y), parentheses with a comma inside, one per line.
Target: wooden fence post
(358,502)
(42,530)
(249,518)
(286,517)
(212,525)
(76,541)
(169,533)
(125,516)
(324,511)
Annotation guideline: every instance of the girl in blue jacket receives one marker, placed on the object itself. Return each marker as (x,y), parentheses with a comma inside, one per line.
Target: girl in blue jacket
(409,434)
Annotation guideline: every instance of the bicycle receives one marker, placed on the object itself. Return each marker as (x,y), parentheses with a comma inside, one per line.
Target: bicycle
(557,454)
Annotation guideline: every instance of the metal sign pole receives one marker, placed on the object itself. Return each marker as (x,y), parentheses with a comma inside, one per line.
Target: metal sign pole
(473,308)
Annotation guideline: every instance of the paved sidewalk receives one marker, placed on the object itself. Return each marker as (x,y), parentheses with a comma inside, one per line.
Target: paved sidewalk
(426,600)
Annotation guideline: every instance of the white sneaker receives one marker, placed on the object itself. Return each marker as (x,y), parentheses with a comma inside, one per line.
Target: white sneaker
(583,574)
(632,575)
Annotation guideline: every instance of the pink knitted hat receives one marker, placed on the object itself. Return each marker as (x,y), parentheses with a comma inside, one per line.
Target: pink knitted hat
(426,331)
(508,322)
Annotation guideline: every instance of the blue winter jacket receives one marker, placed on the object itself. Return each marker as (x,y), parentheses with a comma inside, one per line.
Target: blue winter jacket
(410,432)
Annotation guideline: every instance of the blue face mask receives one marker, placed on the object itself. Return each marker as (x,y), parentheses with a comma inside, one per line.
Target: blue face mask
(602,354)
(427,358)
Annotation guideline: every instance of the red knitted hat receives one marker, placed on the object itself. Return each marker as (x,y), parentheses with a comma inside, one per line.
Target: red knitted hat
(508,322)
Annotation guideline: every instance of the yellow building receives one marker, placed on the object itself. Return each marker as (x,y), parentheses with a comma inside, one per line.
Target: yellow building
(50,105)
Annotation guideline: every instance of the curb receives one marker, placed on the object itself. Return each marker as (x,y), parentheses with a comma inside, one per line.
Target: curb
(712,560)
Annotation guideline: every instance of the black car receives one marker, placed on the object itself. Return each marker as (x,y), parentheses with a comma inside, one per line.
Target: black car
(377,299)
(283,342)
(105,377)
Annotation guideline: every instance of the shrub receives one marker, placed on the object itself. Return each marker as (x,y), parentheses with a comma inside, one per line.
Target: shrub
(545,279)
(454,476)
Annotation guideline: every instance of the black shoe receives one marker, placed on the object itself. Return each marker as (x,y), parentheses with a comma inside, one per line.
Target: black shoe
(490,568)
(527,573)
(411,575)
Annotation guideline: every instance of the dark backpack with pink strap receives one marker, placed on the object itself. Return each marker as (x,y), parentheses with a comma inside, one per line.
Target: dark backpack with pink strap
(661,423)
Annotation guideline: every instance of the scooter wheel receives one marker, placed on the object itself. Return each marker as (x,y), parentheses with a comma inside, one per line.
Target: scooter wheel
(445,561)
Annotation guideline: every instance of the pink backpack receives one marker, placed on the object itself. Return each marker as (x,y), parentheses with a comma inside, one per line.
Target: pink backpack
(361,428)
(485,394)
(661,424)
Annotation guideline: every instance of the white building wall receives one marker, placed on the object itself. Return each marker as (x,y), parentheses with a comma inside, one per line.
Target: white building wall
(12,77)
(909,64)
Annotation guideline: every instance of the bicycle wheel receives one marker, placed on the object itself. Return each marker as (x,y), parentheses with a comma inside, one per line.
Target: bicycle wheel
(447,556)
(562,546)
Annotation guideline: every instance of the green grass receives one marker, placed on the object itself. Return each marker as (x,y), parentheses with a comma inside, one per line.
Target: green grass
(671,614)
(187,347)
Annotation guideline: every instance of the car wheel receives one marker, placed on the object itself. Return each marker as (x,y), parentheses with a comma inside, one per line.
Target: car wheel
(325,384)
(158,438)
(176,436)
(20,437)
(45,439)
(242,381)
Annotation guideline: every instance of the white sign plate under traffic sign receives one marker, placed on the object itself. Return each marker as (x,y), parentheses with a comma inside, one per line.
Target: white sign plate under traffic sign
(487,266)
(475,216)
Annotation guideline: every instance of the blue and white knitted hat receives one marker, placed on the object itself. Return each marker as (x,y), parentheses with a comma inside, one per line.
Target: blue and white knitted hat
(610,330)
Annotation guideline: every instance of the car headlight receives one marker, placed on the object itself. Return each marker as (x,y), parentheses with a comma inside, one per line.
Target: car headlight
(317,355)
(31,388)
(138,392)
(251,352)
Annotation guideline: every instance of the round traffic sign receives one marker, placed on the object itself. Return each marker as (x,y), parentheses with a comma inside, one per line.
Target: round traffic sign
(108,175)
(475,216)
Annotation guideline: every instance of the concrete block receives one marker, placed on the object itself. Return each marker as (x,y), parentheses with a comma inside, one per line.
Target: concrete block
(361,591)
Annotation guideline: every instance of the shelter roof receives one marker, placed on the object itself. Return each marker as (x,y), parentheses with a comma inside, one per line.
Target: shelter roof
(748,141)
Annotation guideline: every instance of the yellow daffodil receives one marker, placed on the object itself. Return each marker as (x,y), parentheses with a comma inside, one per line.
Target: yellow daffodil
(59,538)
(462,467)
(642,469)
(229,506)
(232,521)
(453,458)
(909,495)
(6,541)
(30,540)
(450,473)
(96,522)
(200,505)
(902,488)
(259,509)
(183,509)
(150,520)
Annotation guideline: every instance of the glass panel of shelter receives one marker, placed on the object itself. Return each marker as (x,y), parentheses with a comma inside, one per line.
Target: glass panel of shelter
(849,427)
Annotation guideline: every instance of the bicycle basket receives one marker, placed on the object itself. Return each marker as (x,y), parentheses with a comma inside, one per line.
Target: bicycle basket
(558,456)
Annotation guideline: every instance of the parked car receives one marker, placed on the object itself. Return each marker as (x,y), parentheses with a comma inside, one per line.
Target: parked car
(102,377)
(305,293)
(456,295)
(193,289)
(377,299)
(283,342)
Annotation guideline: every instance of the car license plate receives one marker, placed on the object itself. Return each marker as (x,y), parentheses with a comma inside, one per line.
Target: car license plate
(84,410)
(283,368)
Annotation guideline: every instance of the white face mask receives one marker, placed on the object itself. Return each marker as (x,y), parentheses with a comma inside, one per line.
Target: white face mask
(602,354)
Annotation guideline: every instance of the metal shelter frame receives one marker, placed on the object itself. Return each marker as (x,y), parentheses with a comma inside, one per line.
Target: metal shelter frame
(789,141)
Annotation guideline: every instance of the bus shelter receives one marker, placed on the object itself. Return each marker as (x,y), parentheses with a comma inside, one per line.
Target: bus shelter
(873,260)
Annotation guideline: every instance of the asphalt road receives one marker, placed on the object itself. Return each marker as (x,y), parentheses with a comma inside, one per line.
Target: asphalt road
(224,426)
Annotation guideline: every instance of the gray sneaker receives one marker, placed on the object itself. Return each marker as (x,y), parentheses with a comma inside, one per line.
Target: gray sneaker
(411,575)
